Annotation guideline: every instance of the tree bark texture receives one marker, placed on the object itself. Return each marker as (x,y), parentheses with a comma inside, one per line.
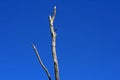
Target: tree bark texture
(53,35)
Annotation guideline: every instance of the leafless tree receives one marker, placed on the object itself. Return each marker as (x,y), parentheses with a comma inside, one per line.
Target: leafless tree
(53,36)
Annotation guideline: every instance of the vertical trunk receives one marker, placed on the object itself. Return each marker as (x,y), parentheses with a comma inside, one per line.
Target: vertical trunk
(53,35)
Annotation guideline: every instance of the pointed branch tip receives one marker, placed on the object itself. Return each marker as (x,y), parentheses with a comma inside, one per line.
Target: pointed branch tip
(40,61)
(54,7)
(33,45)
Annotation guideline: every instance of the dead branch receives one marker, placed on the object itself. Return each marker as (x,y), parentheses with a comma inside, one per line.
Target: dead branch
(40,61)
(53,35)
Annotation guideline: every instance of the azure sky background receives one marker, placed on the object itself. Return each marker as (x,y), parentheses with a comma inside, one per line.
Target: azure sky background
(88,39)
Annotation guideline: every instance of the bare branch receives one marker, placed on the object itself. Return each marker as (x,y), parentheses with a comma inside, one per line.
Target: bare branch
(40,61)
(53,34)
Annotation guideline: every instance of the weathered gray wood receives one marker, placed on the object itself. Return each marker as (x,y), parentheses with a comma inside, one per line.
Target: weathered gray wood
(40,61)
(53,35)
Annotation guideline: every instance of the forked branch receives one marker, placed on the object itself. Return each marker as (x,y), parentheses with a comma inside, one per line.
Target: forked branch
(53,35)
(40,61)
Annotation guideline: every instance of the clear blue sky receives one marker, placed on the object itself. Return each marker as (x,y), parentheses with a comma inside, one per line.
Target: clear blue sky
(88,39)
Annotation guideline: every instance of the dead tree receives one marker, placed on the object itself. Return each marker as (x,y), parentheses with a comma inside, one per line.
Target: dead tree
(53,36)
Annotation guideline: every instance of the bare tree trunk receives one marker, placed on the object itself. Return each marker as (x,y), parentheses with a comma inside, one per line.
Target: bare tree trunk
(53,35)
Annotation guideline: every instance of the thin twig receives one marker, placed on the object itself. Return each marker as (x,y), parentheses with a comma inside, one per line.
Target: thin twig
(53,35)
(40,61)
